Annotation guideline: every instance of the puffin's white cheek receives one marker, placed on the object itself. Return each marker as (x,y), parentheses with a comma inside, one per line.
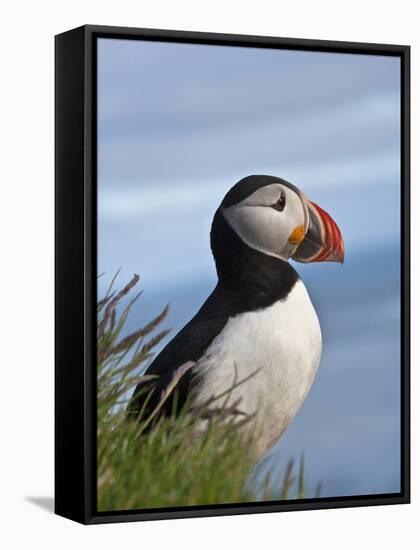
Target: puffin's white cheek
(262,228)
(251,224)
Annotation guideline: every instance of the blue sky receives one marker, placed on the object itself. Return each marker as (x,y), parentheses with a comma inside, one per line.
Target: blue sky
(178,125)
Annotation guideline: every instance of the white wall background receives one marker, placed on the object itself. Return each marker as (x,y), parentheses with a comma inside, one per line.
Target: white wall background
(26,252)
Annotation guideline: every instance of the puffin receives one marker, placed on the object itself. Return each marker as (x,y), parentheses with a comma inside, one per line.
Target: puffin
(258,325)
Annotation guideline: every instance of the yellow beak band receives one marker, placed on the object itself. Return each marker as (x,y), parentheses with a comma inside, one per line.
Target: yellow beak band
(297,235)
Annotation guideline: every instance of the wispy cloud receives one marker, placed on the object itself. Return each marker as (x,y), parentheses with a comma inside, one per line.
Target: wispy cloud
(125,201)
(173,113)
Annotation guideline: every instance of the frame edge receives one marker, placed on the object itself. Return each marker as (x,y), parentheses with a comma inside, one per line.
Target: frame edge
(69,428)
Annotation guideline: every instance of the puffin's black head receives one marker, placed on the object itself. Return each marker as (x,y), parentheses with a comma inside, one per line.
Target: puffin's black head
(270,215)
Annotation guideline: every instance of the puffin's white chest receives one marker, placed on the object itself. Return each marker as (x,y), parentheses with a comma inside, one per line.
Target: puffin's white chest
(282,344)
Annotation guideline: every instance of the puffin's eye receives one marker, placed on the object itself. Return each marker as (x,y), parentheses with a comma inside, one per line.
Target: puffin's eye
(281,203)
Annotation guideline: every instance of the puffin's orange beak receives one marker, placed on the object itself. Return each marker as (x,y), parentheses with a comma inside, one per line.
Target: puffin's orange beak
(323,241)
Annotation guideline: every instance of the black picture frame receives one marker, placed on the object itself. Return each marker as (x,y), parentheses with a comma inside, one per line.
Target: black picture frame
(75,272)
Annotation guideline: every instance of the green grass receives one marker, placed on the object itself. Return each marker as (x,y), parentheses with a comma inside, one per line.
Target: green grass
(155,462)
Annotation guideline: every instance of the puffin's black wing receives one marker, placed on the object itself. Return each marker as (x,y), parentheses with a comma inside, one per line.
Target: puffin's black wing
(188,345)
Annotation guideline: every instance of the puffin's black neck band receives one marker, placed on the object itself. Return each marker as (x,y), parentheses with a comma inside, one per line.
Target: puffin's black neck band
(256,279)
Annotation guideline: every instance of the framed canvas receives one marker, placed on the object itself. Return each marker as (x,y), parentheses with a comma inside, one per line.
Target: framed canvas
(232,274)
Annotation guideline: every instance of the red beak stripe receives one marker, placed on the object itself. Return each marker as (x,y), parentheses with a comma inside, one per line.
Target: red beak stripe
(333,244)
